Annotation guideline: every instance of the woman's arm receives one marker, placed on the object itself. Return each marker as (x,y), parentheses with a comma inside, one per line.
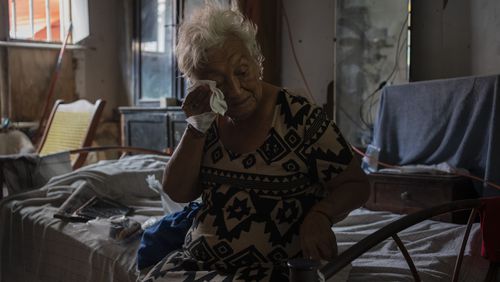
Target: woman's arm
(347,191)
(180,178)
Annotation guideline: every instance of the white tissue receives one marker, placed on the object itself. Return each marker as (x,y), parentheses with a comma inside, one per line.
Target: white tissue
(218,105)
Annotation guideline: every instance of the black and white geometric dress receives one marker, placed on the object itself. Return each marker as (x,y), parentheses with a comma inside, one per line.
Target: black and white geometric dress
(253,204)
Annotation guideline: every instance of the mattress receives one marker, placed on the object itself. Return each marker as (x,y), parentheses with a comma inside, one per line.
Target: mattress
(34,246)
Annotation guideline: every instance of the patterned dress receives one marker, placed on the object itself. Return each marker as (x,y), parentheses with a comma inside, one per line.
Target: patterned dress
(253,204)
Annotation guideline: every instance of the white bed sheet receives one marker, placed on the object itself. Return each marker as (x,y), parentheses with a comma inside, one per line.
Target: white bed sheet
(433,246)
(36,247)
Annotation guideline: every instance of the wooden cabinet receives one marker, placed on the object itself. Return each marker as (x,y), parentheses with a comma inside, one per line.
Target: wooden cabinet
(152,128)
(406,193)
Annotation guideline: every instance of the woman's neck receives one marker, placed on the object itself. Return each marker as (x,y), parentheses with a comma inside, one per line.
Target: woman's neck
(241,136)
(264,110)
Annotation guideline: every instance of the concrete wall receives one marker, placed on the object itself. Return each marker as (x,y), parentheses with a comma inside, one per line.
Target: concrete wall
(312,28)
(461,40)
(485,36)
(30,73)
(440,39)
(103,70)
(367,41)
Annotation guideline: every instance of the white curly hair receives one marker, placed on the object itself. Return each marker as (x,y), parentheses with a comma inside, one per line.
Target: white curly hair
(210,26)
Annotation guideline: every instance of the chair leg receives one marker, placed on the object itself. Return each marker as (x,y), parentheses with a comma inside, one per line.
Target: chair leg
(493,272)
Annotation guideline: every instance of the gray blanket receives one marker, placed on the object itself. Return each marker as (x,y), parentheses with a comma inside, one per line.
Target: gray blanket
(453,120)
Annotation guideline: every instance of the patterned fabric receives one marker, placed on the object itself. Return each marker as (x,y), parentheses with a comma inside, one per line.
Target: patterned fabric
(253,204)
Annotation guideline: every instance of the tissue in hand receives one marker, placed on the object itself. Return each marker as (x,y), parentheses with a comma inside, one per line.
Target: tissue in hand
(218,105)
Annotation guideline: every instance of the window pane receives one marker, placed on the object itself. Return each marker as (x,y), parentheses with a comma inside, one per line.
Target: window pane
(40,20)
(27,25)
(19,22)
(55,25)
(156,49)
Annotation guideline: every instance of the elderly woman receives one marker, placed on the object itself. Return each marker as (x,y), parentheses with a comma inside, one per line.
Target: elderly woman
(273,172)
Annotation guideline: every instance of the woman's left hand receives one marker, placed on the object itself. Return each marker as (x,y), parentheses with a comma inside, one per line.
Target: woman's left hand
(317,239)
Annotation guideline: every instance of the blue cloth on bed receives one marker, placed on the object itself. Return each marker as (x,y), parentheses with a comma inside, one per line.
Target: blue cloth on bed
(165,236)
(449,120)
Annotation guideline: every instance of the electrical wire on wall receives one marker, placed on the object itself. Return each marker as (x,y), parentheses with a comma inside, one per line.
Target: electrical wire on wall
(297,63)
(371,100)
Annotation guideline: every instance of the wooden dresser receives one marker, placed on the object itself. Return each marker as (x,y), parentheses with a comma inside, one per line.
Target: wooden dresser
(152,128)
(406,193)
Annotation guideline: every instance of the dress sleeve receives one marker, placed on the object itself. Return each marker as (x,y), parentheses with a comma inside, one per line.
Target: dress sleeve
(328,153)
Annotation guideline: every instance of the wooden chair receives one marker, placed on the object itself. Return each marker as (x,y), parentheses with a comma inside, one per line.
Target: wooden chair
(306,270)
(71,126)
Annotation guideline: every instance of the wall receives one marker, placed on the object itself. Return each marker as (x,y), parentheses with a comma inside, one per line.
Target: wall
(313,34)
(370,50)
(104,68)
(485,38)
(101,73)
(440,39)
(30,72)
(461,40)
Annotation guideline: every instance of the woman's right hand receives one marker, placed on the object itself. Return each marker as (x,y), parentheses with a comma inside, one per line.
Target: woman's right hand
(198,101)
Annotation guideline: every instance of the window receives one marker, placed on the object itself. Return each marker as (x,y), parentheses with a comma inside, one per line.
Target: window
(155,33)
(48,20)
(155,29)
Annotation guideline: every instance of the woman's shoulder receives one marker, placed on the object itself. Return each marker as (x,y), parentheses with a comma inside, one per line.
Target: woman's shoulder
(295,111)
(292,102)
(292,96)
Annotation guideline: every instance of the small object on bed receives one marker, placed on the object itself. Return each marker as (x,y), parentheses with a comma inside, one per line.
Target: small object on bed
(84,204)
(98,207)
(124,228)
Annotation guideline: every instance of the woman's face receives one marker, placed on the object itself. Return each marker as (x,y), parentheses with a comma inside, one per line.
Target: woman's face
(237,76)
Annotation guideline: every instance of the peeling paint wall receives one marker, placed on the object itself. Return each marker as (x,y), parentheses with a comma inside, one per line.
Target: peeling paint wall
(30,72)
(371,49)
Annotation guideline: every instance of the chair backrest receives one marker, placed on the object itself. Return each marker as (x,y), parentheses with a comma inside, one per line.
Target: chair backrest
(71,126)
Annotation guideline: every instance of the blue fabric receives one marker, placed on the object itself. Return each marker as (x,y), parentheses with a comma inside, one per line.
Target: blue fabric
(449,120)
(165,236)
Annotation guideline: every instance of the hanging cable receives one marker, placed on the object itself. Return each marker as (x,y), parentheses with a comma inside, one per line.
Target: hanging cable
(290,38)
(369,121)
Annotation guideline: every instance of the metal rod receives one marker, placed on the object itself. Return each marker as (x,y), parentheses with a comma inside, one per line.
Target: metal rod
(404,222)
(47,20)
(61,20)
(50,94)
(39,45)
(458,262)
(14,20)
(32,22)
(407,257)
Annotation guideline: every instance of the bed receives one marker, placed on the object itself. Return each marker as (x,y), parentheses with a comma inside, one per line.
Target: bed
(35,246)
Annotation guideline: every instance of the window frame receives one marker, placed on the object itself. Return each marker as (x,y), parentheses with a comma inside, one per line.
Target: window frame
(64,20)
(177,87)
